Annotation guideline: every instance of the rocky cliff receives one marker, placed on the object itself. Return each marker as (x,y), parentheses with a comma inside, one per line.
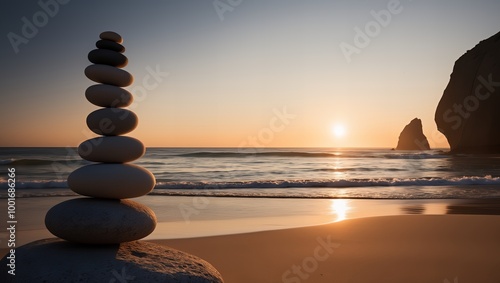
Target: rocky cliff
(468,113)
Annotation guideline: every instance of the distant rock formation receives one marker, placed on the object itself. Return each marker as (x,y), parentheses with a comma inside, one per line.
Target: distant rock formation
(412,137)
(468,112)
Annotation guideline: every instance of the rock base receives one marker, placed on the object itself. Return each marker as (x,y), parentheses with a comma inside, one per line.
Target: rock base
(55,260)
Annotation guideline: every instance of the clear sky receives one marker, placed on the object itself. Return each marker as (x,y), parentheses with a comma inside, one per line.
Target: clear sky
(240,72)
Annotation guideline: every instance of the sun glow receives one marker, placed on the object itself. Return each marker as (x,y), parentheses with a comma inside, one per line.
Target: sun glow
(338,130)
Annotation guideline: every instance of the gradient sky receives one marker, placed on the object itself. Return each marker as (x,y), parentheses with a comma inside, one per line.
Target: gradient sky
(229,73)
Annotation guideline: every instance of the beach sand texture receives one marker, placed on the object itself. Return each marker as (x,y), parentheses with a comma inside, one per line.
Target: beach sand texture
(411,248)
(403,248)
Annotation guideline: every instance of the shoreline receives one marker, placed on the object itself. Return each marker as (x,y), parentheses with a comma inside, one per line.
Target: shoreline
(284,240)
(194,217)
(297,197)
(474,187)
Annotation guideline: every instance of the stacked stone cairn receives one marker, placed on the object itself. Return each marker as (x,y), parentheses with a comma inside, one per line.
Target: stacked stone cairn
(106,217)
(98,234)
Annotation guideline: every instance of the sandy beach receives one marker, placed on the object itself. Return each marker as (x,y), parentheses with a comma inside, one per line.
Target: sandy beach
(401,248)
(324,240)
(320,240)
(411,248)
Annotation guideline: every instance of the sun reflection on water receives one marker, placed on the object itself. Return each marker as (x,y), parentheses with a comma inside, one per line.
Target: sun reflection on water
(340,208)
(338,168)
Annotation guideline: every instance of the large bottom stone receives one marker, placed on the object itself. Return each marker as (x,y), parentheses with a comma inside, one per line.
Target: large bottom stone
(55,260)
(100,221)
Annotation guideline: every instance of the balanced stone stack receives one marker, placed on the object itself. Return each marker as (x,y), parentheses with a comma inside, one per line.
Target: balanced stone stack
(105,222)
(106,218)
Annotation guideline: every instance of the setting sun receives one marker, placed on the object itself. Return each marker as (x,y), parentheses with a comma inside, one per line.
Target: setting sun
(338,130)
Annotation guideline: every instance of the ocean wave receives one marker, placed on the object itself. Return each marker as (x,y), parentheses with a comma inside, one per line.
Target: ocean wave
(415,156)
(337,183)
(38,162)
(231,154)
(359,169)
(279,184)
(403,193)
(25,162)
(54,184)
(209,154)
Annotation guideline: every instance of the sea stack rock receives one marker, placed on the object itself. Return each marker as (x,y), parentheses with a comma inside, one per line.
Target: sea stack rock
(412,137)
(99,233)
(467,113)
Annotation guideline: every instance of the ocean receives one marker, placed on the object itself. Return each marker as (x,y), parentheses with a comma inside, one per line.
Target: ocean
(275,173)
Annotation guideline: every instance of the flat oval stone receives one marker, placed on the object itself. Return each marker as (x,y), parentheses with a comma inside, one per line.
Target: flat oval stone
(112,121)
(100,221)
(108,96)
(117,149)
(105,74)
(108,57)
(110,45)
(116,181)
(111,35)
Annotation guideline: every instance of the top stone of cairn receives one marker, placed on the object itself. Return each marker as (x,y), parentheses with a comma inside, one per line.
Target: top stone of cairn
(110,35)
